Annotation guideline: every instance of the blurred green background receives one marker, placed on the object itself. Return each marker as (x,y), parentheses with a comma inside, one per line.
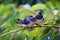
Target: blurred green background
(10,10)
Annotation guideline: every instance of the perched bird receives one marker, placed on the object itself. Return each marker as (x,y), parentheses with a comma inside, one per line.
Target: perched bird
(31,19)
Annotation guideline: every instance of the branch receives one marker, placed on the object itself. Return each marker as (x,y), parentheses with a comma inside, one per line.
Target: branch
(48,26)
(12,31)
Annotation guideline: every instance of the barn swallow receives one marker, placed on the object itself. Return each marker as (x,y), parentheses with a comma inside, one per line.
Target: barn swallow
(31,19)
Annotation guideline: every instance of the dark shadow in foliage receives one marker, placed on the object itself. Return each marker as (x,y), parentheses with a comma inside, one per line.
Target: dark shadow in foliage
(43,1)
(29,2)
(58,21)
(34,2)
(35,38)
(57,37)
(46,31)
(2,29)
(19,2)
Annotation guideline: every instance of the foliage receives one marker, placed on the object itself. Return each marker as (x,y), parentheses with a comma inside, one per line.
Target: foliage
(9,14)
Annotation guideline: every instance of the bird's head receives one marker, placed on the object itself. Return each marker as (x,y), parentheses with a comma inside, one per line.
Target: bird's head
(39,12)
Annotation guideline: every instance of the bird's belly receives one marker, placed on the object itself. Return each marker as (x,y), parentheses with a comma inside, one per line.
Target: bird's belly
(39,21)
(28,25)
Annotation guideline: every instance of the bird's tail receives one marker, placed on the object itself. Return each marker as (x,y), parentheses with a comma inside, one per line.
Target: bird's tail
(19,21)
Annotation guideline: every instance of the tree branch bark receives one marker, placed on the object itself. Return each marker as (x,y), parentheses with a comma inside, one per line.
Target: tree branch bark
(47,26)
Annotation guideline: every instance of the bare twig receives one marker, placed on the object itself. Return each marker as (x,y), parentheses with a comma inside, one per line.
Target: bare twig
(48,26)
(12,31)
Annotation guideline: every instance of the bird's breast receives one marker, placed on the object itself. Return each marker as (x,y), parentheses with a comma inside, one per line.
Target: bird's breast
(39,17)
